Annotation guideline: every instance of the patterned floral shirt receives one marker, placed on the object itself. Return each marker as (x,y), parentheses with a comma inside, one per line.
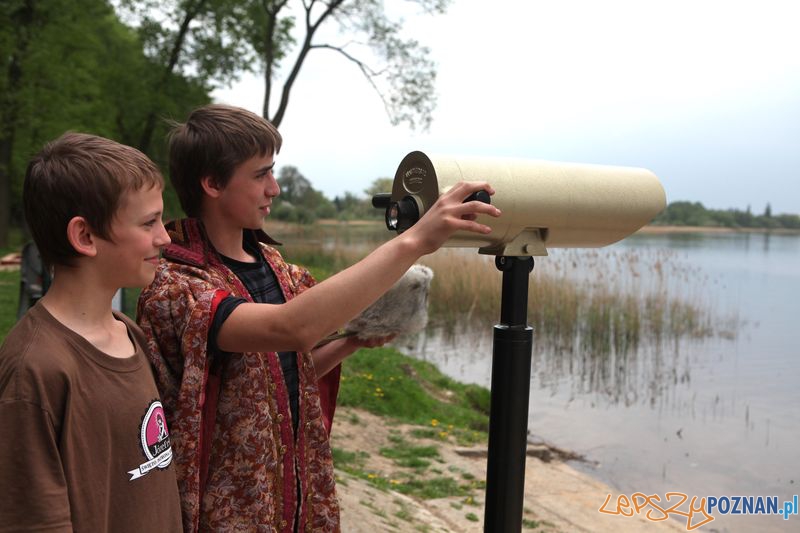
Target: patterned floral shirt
(237,461)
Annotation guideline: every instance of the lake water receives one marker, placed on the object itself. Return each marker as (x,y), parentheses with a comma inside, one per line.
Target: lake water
(712,417)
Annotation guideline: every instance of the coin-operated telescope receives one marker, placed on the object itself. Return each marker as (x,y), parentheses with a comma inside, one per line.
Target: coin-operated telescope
(544,205)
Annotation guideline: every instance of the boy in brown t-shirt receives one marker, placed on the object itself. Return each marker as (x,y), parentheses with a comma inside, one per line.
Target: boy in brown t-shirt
(84,443)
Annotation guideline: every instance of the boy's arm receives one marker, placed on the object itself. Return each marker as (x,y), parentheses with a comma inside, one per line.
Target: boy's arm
(300,323)
(33,486)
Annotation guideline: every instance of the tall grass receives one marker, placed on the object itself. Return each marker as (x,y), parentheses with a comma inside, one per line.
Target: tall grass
(615,321)
(588,300)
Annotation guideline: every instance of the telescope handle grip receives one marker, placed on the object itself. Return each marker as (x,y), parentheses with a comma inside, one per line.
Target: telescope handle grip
(382,200)
(480,196)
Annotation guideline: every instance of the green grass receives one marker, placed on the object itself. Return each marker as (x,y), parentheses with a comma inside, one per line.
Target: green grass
(407,455)
(9,300)
(405,390)
(431,488)
(15,241)
(345,459)
(388,383)
(536,524)
(130,297)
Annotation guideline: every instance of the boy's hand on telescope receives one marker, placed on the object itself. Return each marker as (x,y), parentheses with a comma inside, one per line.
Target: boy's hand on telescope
(450,214)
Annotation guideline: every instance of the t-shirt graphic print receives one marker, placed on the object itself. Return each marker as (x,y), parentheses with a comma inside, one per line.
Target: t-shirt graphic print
(154,439)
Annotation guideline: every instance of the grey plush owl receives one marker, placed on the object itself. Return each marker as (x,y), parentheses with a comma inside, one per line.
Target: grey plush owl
(401,310)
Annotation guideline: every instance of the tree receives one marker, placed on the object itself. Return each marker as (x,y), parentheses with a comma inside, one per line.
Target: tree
(348,206)
(379,185)
(399,70)
(17,27)
(215,40)
(684,214)
(768,211)
(743,219)
(299,201)
(294,186)
(201,40)
(72,65)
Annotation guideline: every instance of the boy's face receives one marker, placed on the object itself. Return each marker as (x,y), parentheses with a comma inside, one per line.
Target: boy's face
(138,235)
(247,197)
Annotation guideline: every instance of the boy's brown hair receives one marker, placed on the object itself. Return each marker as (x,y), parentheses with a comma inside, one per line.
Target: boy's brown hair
(80,175)
(214,141)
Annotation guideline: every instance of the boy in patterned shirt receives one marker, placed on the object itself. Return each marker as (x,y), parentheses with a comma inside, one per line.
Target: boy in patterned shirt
(233,329)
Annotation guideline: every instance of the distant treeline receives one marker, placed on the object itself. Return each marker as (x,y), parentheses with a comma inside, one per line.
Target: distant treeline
(299,202)
(694,214)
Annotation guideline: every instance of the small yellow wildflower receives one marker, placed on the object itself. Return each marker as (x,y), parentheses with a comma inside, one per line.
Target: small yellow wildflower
(434,422)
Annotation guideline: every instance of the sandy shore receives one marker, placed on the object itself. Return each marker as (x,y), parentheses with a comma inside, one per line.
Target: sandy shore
(558,498)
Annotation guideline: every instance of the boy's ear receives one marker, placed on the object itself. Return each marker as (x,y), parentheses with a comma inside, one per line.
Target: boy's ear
(210,186)
(81,237)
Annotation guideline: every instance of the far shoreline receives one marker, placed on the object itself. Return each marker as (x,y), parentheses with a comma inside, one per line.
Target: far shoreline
(650,229)
(656,230)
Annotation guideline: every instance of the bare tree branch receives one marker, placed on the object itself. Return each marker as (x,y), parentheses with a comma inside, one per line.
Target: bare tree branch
(365,69)
(404,76)
(301,57)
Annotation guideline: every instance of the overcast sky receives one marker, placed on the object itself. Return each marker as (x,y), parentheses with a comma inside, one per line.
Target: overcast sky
(704,93)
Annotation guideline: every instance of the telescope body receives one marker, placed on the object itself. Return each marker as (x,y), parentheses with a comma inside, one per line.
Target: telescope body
(544,204)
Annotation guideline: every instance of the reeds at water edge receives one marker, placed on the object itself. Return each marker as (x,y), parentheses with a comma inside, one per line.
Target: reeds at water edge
(598,301)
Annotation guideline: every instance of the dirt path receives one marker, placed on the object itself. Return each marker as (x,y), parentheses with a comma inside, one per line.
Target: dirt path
(558,497)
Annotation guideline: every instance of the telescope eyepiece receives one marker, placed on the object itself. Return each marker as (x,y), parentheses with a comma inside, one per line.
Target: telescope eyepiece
(402,214)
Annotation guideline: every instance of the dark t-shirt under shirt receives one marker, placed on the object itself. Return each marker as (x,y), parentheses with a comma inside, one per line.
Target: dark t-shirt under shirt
(260,282)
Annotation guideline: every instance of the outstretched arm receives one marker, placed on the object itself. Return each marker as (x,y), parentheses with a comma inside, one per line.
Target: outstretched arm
(301,322)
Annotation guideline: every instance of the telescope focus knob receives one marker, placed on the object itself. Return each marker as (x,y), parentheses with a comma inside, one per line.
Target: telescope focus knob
(480,196)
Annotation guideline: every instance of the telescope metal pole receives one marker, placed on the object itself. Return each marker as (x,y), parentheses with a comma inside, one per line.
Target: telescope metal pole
(508,416)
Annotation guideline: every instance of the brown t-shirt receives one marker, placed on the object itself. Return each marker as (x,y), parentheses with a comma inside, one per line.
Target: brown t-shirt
(84,444)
